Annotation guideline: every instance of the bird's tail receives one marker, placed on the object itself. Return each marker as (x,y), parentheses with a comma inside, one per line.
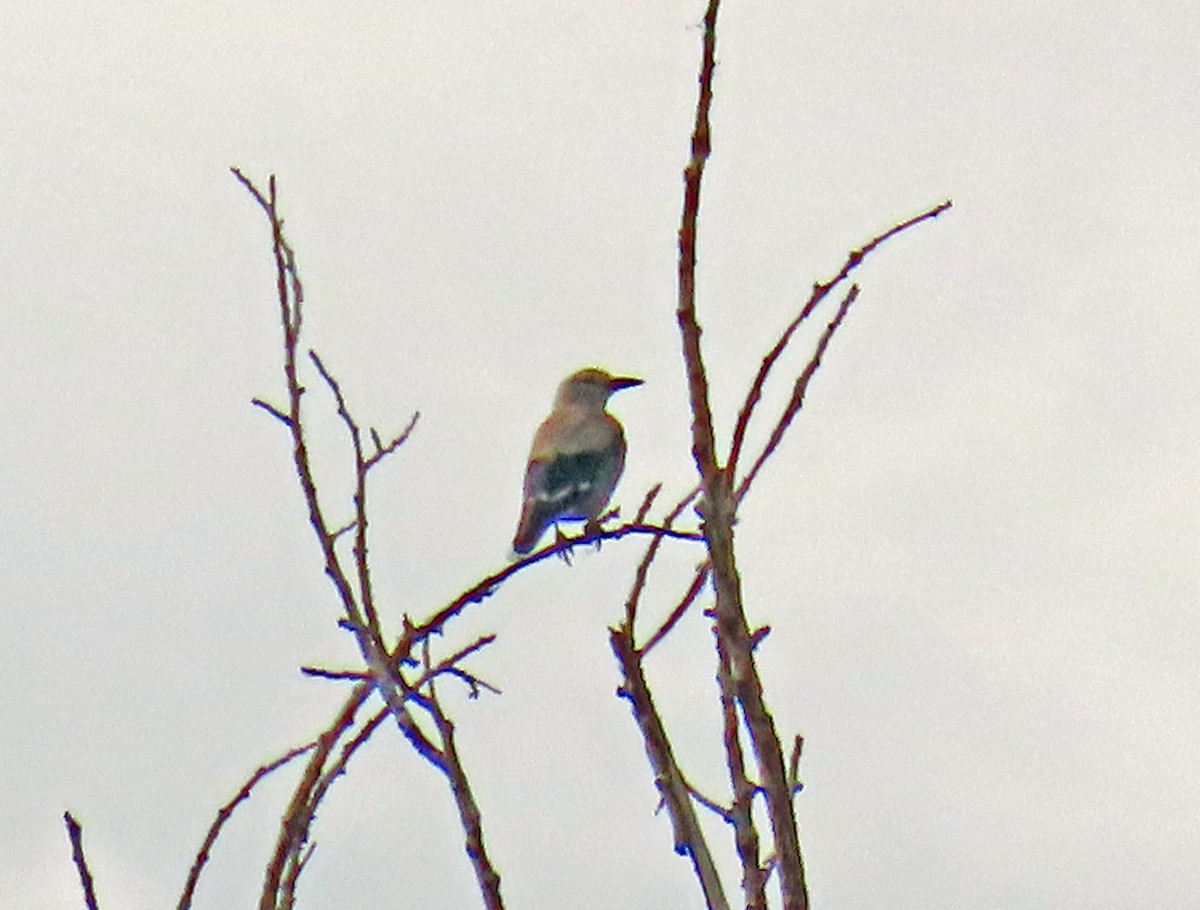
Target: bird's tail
(534,519)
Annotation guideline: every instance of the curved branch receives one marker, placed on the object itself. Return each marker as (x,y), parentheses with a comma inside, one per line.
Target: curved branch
(223,815)
(798,391)
(486,587)
(819,292)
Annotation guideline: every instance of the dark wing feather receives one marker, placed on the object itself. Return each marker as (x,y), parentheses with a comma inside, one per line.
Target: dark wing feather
(571,483)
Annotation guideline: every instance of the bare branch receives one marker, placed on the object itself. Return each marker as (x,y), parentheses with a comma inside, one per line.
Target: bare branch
(360,615)
(674,790)
(344,529)
(794,764)
(299,859)
(297,819)
(798,390)
(689,597)
(719,509)
(290,294)
(447,666)
(464,798)
(383,450)
(75,833)
(647,502)
(456,658)
(273,411)
(487,587)
(819,292)
(643,569)
(856,257)
(419,741)
(352,745)
(351,675)
(745,835)
(252,189)
(721,812)
(223,814)
(473,683)
(703,444)
(362,564)
(652,551)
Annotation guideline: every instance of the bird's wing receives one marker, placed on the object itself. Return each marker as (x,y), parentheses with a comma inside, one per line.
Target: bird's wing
(572,470)
(569,481)
(571,486)
(575,484)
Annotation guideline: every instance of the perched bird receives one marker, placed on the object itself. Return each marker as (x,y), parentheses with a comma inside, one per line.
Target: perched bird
(578,454)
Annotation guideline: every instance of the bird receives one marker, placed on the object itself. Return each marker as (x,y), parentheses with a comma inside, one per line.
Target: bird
(577,456)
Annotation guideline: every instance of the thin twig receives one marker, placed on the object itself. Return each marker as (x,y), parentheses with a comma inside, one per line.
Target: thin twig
(486,587)
(643,569)
(707,802)
(703,444)
(299,859)
(382,449)
(361,563)
(673,789)
(745,835)
(297,818)
(647,502)
(819,292)
(719,509)
(689,597)
(794,764)
(474,684)
(290,293)
(360,615)
(273,411)
(223,814)
(388,680)
(464,798)
(796,402)
(75,833)
(446,665)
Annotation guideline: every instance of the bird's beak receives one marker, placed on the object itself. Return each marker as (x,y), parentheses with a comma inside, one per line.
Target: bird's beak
(623,382)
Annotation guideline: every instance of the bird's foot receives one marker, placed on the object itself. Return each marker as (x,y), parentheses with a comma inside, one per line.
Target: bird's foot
(560,540)
(593,529)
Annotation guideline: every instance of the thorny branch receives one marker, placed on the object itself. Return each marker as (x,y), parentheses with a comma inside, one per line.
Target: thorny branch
(223,814)
(703,444)
(298,817)
(388,669)
(676,795)
(486,587)
(798,389)
(385,667)
(296,860)
(356,596)
(719,511)
(819,293)
(464,796)
(740,688)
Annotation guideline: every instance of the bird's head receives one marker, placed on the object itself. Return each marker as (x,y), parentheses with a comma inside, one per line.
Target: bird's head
(592,386)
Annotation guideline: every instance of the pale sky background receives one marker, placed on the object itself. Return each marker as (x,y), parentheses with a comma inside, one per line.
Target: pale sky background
(979,550)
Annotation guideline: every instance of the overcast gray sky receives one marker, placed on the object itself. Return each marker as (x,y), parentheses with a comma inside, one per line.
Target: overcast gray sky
(979,550)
